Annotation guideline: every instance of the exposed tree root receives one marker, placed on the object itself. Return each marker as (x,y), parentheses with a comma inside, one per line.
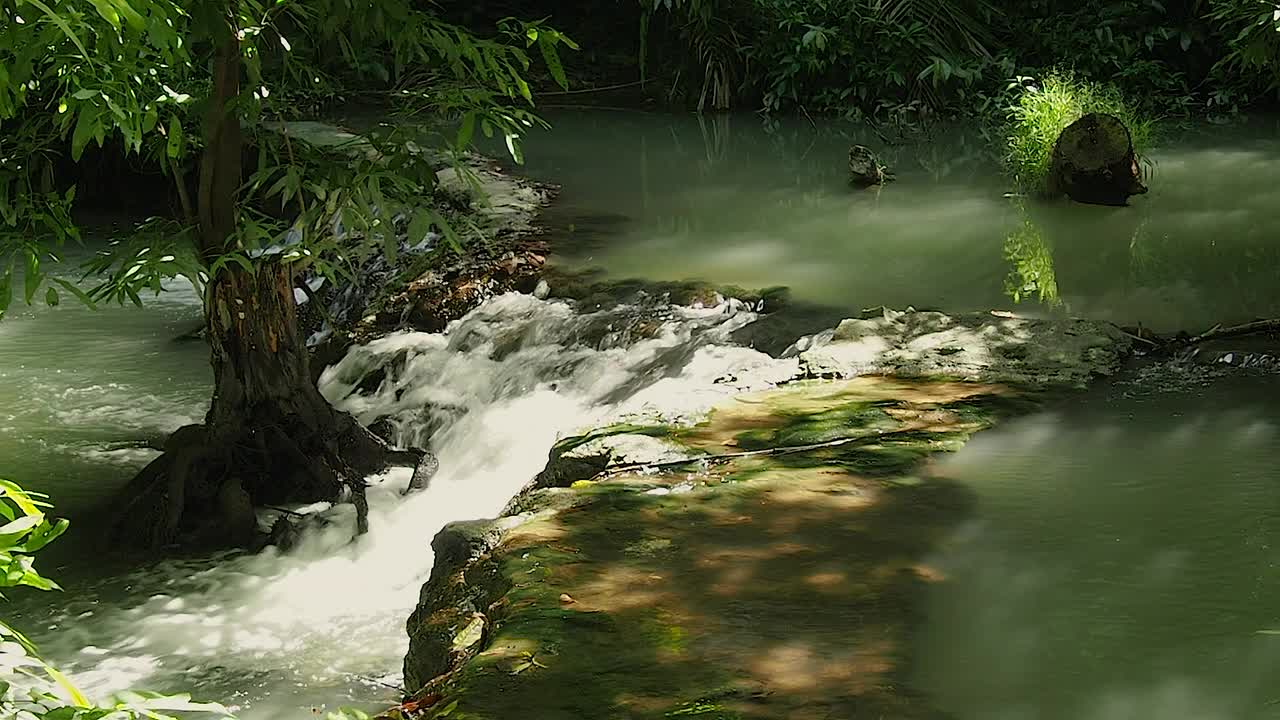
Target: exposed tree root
(202,491)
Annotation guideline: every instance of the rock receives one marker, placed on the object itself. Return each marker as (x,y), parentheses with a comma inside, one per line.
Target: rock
(284,535)
(1093,162)
(542,290)
(464,582)
(583,458)
(672,603)
(438,297)
(865,169)
(976,346)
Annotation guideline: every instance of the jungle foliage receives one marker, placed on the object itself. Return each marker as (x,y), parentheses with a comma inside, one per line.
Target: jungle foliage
(136,79)
(910,59)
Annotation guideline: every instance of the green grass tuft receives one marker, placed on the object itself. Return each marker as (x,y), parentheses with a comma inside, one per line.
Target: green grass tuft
(1045,109)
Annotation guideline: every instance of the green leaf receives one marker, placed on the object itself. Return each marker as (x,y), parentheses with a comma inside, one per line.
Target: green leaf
(21,525)
(390,246)
(72,691)
(79,294)
(44,535)
(32,276)
(64,27)
(85,94)
(107,12)
(173,148)
(85,128)
(51,297)
(513,146)
(466,130)
(419,226)
(6,291)
(552,58)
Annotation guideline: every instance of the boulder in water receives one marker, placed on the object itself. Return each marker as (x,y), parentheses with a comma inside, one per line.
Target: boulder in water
(865,169)
(1093,162)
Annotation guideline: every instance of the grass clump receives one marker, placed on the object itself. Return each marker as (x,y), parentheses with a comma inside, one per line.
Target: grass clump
(1043,110)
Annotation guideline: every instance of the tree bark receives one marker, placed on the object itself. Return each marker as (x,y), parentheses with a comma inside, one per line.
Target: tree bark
(1093,162)
(269,437)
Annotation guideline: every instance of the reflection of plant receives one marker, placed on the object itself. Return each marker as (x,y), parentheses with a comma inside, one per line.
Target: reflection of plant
(47,693)
(1045,109)
(1032,270)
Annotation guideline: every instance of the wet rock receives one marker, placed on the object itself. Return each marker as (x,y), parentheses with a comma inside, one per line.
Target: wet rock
(865,169)
(422,286)
(464,582)
(436,298)
(1093,162)
(1058,353)
(619,596)
(583,458)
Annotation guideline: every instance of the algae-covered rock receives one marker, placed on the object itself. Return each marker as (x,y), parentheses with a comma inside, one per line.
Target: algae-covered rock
(586,456)
(447,626)
(989,347)
(780,581)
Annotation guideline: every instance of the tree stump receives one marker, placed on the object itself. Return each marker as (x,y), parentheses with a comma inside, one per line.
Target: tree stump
(1093,162)
(865,169)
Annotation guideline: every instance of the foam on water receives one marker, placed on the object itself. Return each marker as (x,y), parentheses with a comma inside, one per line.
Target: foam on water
(275,633)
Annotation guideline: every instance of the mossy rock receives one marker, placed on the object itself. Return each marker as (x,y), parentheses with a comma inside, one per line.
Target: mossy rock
(755,586)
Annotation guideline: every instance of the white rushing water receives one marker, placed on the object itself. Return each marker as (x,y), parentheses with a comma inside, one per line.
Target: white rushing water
(324,624)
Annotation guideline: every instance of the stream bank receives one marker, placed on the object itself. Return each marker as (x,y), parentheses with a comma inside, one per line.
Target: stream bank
(762,558)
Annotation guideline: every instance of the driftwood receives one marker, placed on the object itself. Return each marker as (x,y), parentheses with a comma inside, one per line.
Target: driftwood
(1182,340)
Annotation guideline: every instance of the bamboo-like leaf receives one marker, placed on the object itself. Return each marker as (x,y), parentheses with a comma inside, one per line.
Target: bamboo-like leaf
(64,27)
(551,57)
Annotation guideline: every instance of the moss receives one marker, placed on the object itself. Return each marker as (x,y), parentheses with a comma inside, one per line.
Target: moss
(790,591)
(570,443)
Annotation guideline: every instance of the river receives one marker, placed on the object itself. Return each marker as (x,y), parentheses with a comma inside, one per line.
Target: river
(1122,557)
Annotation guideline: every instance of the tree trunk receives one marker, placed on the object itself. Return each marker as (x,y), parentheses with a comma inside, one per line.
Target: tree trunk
(1093,162)
(269,436)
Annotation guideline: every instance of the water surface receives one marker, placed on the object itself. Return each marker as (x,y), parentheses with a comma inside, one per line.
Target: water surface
(1124,558)
(734,200)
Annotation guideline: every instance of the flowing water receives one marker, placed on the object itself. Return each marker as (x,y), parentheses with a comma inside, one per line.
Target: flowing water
(1121,560)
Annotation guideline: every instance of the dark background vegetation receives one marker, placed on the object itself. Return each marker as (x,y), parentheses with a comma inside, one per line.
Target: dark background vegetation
(908,59)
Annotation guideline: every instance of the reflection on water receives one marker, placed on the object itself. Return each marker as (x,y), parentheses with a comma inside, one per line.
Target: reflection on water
(1124,555)
(1031,271)
(726,201)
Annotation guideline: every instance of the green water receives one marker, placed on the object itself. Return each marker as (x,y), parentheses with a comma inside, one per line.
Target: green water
(1125,556)
(727,200)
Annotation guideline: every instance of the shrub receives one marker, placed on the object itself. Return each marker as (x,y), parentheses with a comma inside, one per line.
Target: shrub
(1043,110)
